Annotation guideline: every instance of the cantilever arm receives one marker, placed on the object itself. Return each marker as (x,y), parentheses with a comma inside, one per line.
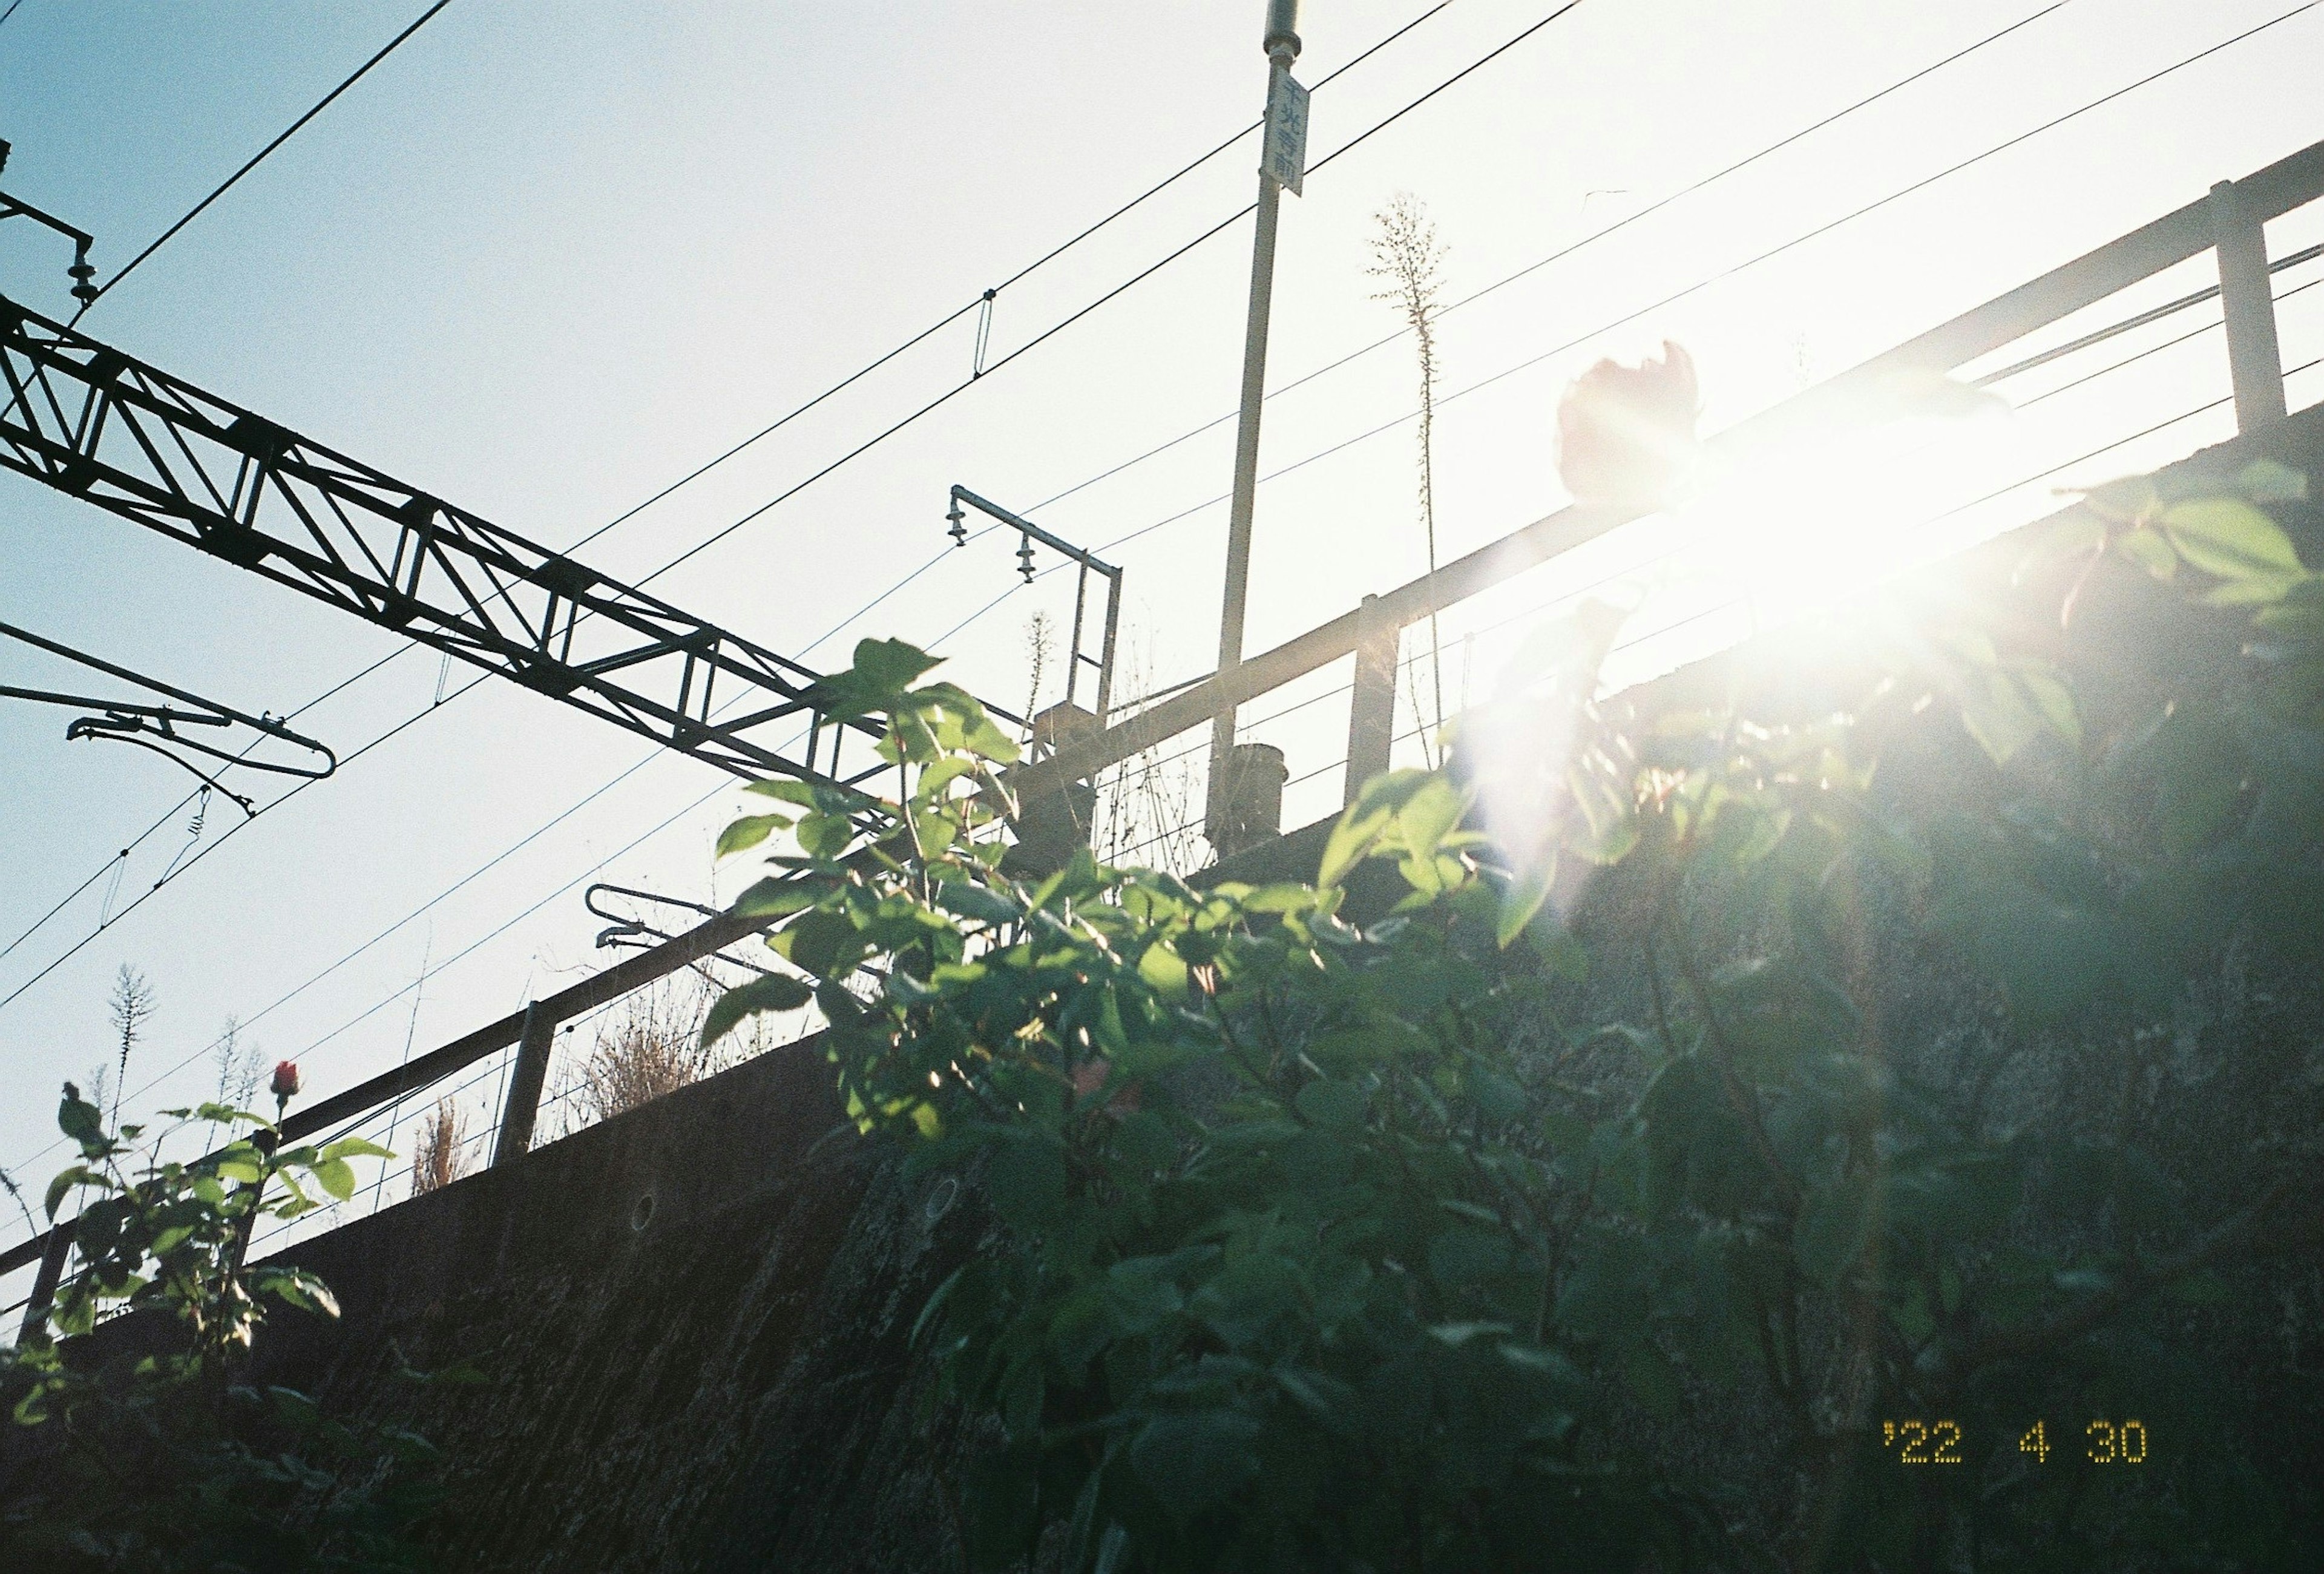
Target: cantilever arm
(142,725)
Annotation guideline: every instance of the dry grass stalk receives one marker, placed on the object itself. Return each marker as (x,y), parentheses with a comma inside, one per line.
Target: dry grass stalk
(650,1047)
(442,1154)
(1147,813)
(1407,255)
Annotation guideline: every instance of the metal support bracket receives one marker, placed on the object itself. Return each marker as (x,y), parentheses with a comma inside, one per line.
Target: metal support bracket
(2255,360)
(525,1083)
(1371,714)
(1090,564)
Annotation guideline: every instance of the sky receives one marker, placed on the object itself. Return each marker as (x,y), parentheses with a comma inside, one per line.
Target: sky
(549,257)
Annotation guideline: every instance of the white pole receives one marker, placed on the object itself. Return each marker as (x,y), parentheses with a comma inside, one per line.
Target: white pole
(1282,45)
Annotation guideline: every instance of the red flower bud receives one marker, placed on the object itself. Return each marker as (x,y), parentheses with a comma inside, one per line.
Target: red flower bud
(285,1084)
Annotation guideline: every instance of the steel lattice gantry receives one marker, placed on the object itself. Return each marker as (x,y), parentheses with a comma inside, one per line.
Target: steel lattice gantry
(111,431)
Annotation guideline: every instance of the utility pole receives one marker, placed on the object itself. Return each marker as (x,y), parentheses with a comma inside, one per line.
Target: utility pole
(1282,162)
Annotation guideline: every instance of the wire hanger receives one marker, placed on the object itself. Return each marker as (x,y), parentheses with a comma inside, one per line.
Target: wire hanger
(157,727)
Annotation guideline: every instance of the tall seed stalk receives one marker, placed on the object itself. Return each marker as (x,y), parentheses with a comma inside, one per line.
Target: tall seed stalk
(1406,253)
(1040,637)
(131,1003)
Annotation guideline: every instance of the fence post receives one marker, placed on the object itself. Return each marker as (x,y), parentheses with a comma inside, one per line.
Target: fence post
(525,1084)
(2254,359)
(45,1281)
(1371,711)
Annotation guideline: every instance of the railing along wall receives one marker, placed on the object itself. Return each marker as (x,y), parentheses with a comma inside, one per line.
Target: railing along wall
(531,1031)
(2227,221)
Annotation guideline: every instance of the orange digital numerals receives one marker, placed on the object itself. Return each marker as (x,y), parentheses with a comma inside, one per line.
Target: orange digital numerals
(2109,1443)
(1924,1442)
(2117,1445)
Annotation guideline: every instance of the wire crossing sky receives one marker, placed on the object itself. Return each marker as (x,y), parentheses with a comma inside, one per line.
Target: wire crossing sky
(543,260)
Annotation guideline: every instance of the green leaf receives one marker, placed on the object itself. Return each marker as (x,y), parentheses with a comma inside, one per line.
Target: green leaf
(2266,481)
(1247,1298)
(2150,551)
(2129,500)
(978,902)
(2228,537)
(1140,1294)
(80,1120)
(241,1162)
(815,942)
(1366,820)
(750,831)
(354,1148)
(1026,1179)
(63,1183)
(1194,1463)
(335,1176)
(805,794)
(1164,971)
(777,897)
(891,666)
(774,992)
(1524,898)
(1429,816)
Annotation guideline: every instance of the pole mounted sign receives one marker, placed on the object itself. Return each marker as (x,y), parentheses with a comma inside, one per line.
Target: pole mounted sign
(1284,162)
(1282,165)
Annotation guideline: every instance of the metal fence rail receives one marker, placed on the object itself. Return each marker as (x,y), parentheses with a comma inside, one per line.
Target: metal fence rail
(2228,220)
(531,1032)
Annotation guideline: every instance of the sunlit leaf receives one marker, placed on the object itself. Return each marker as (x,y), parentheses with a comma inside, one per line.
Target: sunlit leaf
(774,992)
(748,831)
(2228,537)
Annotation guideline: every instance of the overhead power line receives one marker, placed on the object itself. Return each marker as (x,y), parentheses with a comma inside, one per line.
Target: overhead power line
(989,296)
(1697,186)
(1703,283)
(1562,252)
(1700,284)
(376,1007)
(1117,291)
(1399,114)
(862,449)
(1056,252)
(1707,280)
(259,157)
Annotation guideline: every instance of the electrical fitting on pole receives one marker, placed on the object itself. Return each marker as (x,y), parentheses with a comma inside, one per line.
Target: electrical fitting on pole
(82,270)
(1283,163)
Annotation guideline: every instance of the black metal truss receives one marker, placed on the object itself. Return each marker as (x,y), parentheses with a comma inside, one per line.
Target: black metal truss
(111,431)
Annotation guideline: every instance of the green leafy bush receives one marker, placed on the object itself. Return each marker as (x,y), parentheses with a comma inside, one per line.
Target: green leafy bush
(1387,1224)
(140,1446)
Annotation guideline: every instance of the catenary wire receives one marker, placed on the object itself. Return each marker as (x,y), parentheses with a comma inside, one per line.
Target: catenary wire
(476,681)
(1721,275)
(260,157)
(1123,288)
(976,301)
(1729,273)
(853,453)
(1589,240)
(1681,294)
(1697,186)
(1537,609)
(1534,611)
(1056,252)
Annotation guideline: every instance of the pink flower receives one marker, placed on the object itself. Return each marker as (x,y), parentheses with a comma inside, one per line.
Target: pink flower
(285,1085)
